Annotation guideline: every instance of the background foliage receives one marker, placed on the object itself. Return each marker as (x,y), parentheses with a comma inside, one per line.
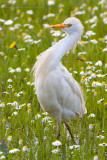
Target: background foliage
(26,132)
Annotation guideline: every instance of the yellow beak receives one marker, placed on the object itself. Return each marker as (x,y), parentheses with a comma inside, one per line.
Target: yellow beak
(61,26)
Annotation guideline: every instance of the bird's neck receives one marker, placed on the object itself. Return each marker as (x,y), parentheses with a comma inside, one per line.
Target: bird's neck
(61,48)
(50,59)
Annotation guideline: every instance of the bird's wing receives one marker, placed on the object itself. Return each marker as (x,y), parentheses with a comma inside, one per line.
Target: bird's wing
(70,96)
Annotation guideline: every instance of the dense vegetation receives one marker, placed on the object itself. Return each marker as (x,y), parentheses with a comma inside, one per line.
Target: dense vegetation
(26,131)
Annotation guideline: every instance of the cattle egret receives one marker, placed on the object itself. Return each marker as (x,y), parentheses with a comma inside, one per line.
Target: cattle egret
(58,92)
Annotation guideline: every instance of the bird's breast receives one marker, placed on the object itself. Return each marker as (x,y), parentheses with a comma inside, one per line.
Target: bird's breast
(45,90)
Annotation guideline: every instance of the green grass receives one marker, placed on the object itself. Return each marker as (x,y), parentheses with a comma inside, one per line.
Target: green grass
(37,134)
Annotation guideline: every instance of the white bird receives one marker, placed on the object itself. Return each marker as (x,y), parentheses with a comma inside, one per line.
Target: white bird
(58,92)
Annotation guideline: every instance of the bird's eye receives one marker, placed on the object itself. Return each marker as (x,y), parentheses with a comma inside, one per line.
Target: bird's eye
(69,25)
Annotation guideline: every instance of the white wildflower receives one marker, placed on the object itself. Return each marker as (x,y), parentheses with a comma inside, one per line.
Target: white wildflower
(15,104)
(27,69)
(99,63)
(55,150)
(12,1)
(89,34)
(95,157)
(20,142)
(105,65)
(93,25)
(74,147)
(57,143)
(37,116)
(11,70)
(104,50)
(105,20)
(25,148)
(46,119)
(18,69)
(92,20)
(83,5)
(1,53)
(36,42)
(30,12)
(100,137)
(91,115)
(99,101)
(90,126)
(79,12)
(81,53)
(50,15)
(51,2)
(3,5)
(56,34)
(93,75)
(95,8)
(10,86)
(2,104)
(89,72)
(28,83)
(2,157)
(14,150)
(46,25)
(93,41)
(102,144)
(88,62)
(14,113)
(21,49)
(101,2)
(9,80)
(82,73)
(16,26)
(1,152)
(2,20)
(9,138)
(100,75)
(8,22)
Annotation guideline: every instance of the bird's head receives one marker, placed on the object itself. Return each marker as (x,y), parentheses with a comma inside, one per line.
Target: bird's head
(71,25)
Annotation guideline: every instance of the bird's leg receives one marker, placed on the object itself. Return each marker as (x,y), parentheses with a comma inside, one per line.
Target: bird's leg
(58,131)
(68,128)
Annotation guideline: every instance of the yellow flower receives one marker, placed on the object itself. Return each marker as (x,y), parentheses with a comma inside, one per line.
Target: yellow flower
(100,39)
(13,45)
(3,121)
(15,55)
(105,104)
(70,69)
(20,141)
(67,53)
(54,125)
(82,42)
(82,68)
(76,8)
(9,138)
(5,57)
(82,59)
(18,11)
(89,7)
(61,10)
(29,111)
(25,148)
(29,18)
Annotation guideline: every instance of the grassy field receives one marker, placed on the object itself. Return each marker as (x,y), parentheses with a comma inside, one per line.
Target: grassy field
(26,131)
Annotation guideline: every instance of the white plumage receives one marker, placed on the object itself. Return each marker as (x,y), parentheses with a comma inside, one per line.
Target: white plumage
(57,91)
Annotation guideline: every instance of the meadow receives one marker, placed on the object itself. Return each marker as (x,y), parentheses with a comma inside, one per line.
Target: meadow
(26,131)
